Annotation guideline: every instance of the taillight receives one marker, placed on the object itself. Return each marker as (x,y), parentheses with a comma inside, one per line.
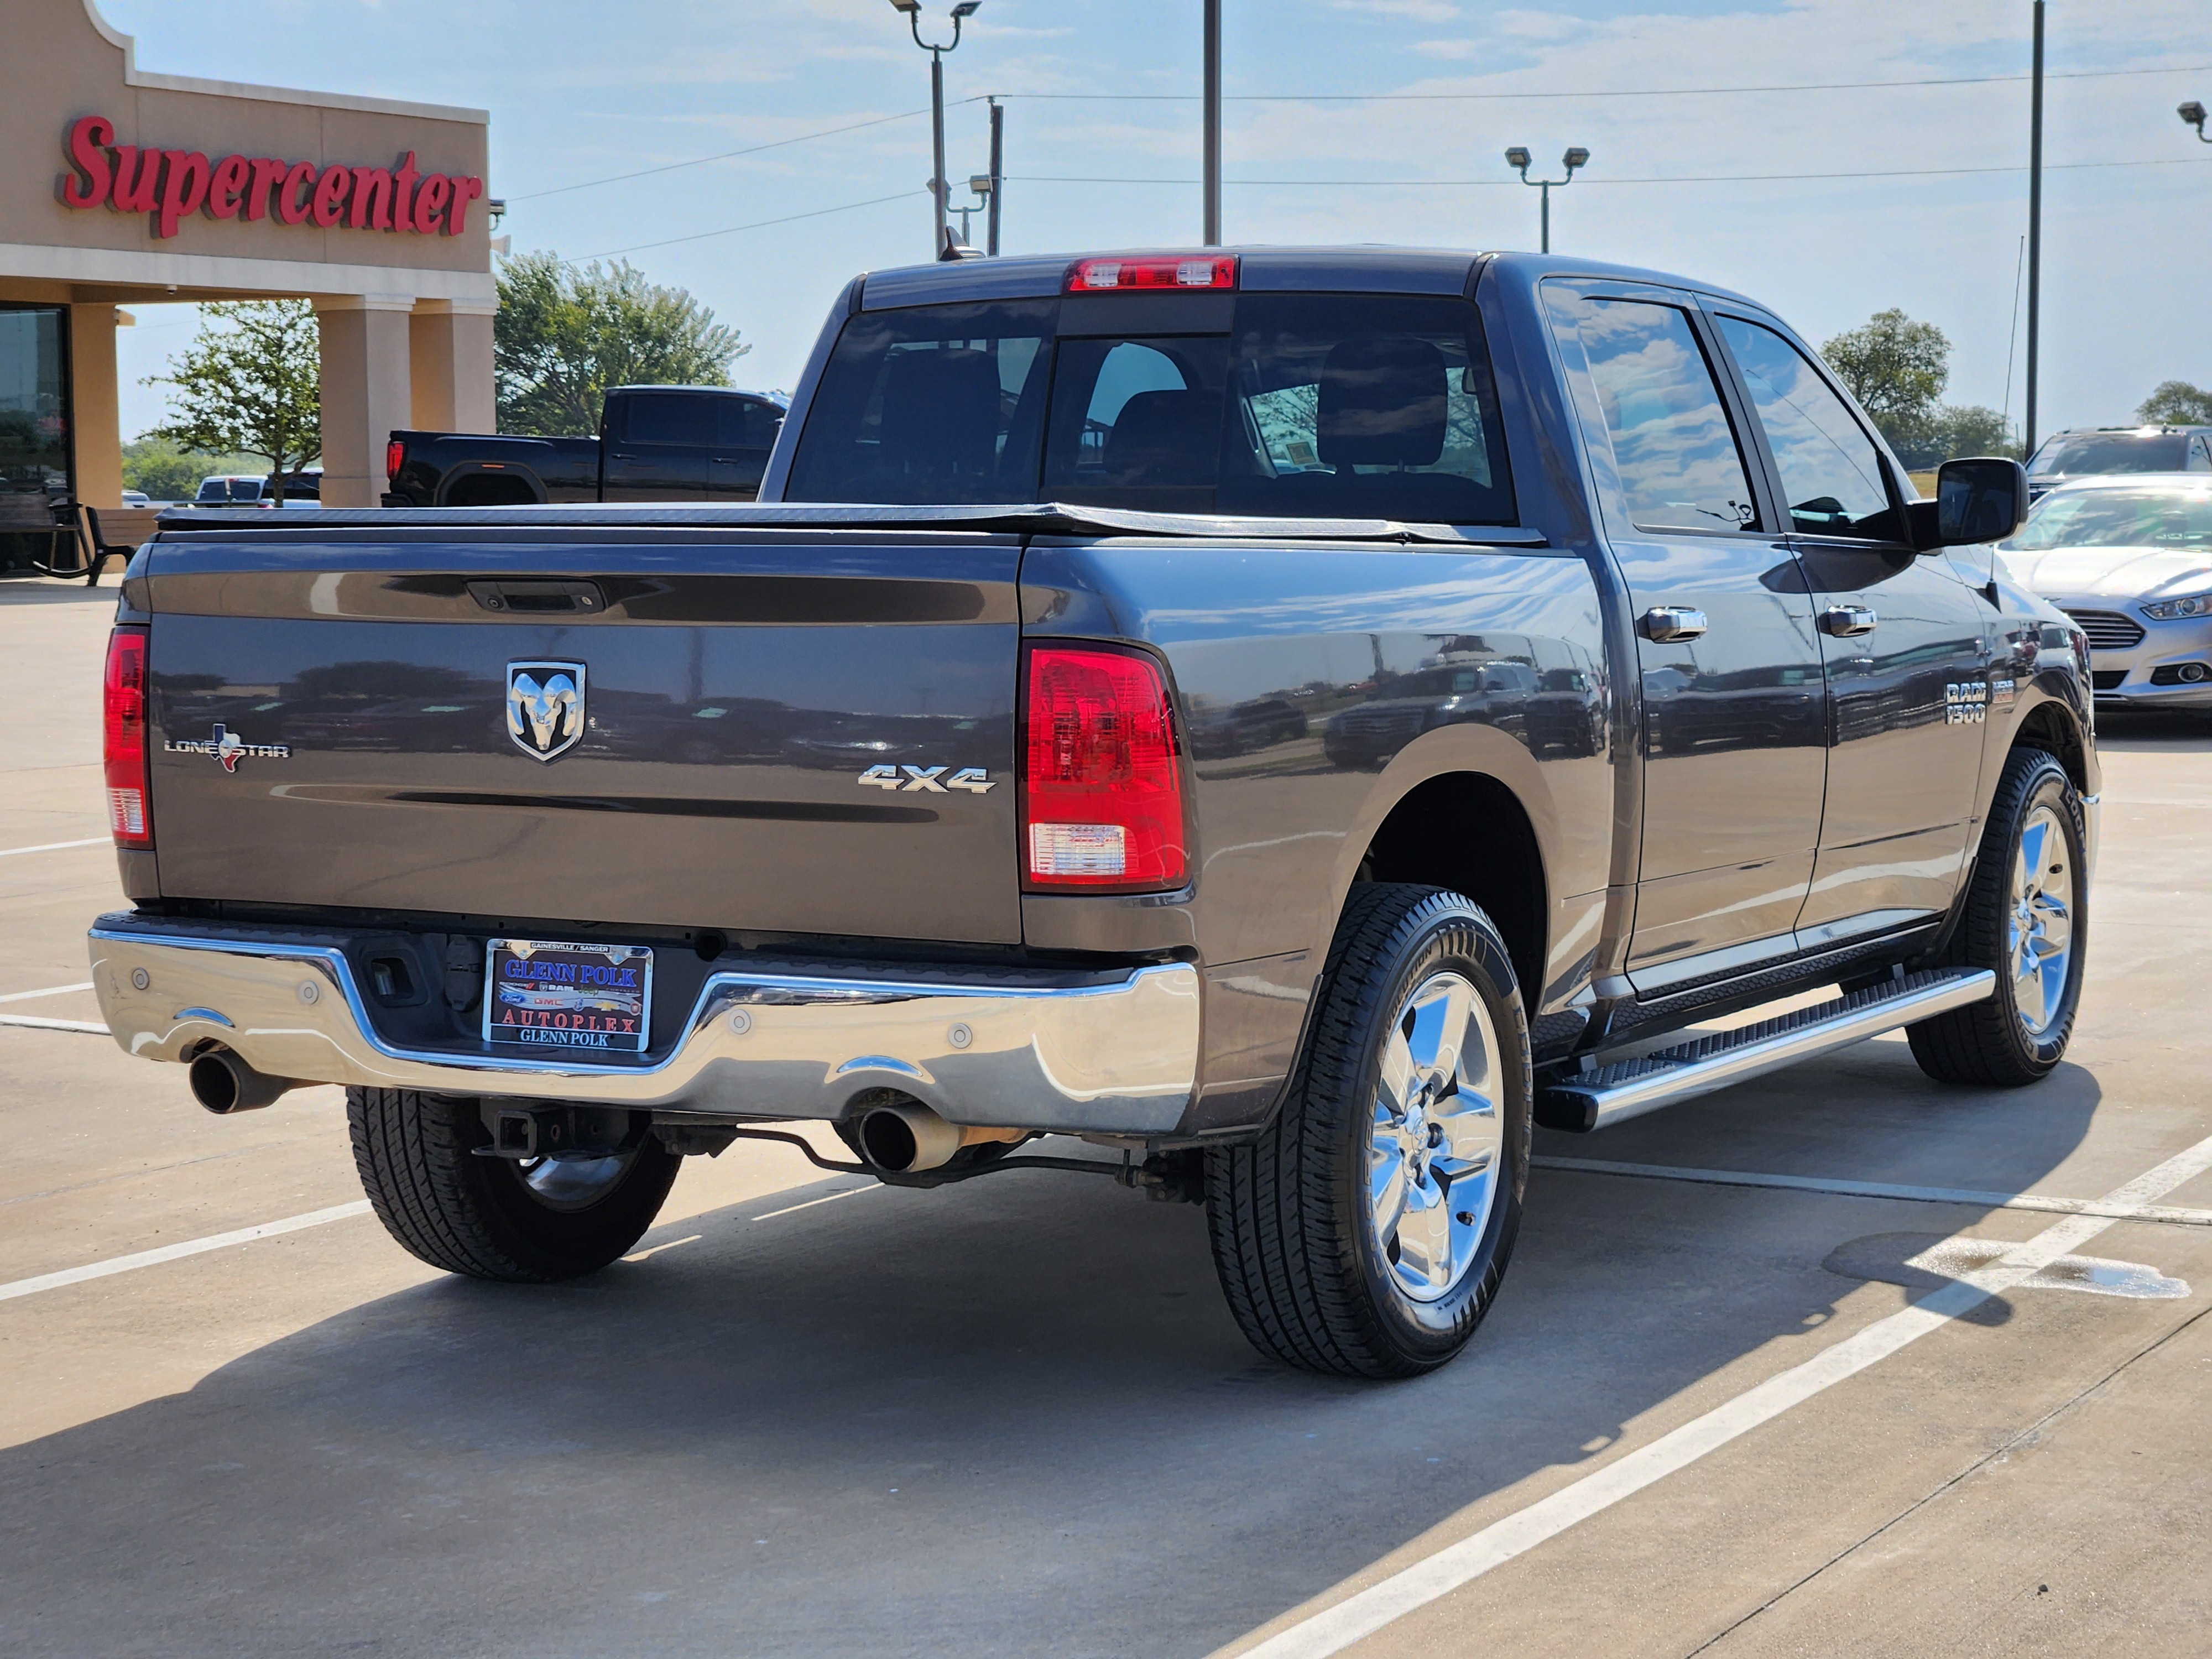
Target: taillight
(1101,781)
(1166,270)
(122,739)
(395,456)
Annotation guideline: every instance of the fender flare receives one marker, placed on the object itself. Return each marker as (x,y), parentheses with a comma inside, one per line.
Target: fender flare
(1472,751)
(498,469)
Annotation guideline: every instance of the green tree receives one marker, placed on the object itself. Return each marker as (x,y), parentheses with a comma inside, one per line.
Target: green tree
(2176,403)
(1967,429)
(565,333)
(249,384)
(1897,368)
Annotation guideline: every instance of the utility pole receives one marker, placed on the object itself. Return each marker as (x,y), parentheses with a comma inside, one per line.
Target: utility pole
(1211,144)
(2034,230)
(997,176)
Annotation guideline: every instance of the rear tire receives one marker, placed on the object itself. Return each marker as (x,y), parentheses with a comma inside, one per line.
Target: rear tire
(1366,1231)
(492,1218)
(2027,920)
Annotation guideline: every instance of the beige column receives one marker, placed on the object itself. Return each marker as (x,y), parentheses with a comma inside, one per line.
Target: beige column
(450,359)
(366,394)
(95,434)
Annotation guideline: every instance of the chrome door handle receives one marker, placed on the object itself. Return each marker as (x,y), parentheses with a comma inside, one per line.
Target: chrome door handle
(1665,624)
(1847,622)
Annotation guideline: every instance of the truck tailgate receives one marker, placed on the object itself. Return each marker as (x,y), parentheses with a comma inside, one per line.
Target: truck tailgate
(748,729)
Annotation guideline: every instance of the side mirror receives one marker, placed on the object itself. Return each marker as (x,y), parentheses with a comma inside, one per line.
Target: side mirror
(1983,499)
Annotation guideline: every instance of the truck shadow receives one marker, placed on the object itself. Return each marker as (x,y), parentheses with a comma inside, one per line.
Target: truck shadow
(1007,1418)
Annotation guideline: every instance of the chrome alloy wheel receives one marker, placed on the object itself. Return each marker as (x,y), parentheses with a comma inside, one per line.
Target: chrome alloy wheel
(573,1183)
(2039,931)
(1436,1137)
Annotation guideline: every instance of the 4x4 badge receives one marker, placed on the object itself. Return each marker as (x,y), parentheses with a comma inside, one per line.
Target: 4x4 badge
(973,779)
(544,707)
(227,747)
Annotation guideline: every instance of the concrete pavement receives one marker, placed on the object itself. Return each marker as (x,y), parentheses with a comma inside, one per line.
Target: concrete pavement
(1013,1418)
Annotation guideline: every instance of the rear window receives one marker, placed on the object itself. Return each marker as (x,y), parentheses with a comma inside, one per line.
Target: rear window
(1312,407)
(2112,452)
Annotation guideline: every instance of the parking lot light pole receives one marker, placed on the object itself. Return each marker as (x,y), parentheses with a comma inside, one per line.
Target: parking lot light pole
(2193,113)
(2035,232)
(938,189)
(1210,119)
(1518,159)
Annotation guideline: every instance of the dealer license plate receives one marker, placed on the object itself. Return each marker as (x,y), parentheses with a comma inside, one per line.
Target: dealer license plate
(543,997)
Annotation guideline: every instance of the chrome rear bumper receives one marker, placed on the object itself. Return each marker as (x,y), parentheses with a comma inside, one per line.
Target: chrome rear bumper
(1114,1057)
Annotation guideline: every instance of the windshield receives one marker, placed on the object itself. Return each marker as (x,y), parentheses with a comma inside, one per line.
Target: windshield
(2112,452)
(2118,518)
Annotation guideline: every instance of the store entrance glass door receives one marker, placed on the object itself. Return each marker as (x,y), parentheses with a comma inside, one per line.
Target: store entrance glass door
(34,431)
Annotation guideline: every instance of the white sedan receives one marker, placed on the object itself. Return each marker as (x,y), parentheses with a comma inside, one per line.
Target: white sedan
(2129,556)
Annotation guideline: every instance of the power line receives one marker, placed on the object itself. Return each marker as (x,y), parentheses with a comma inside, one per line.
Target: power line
(1629,92)
(1348,97)
(1587,179)
(729,155)
(757,224)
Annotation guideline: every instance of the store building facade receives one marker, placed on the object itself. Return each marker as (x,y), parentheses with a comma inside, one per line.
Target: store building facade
(121,185)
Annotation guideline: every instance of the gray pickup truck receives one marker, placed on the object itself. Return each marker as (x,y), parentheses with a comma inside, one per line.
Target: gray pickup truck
(1293,721)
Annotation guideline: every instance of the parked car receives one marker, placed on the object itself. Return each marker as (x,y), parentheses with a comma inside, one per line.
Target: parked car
(230,489)
(237,490)
(2129,559)
(876,801)
(2093,452)
(659,443)
(137,498)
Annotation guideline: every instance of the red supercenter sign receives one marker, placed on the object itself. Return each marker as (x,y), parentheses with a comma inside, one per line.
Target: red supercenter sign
(171,185)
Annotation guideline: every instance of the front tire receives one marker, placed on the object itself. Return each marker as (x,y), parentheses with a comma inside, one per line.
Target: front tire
(496,1218)
(2027,920)
(1365,1232)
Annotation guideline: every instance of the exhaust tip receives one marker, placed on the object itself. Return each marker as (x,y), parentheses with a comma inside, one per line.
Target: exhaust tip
(223,1083)
(903,1137)
(900,1139)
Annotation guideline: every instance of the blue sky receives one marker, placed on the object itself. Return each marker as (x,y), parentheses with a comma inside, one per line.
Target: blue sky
(582,90)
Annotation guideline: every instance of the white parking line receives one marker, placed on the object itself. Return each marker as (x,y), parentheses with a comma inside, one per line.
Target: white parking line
(849,1193)
(1334,1629)
(2171,1215)
(36,1023)
(124,1264)
(51,991)
(56,846)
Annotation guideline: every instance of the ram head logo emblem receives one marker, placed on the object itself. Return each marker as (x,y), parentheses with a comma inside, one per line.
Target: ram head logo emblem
(544,707)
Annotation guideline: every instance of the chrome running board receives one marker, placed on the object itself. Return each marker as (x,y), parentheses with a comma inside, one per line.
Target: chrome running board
(1613,1094)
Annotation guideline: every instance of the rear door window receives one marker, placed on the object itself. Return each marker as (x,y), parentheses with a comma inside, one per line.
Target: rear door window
(931,404)
(1677,456)
(670,417)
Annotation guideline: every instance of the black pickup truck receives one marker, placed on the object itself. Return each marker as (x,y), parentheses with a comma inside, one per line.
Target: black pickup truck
(1292,720)
(656,443)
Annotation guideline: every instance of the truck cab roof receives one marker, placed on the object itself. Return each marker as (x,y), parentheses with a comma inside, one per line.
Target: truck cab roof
(1369,269)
